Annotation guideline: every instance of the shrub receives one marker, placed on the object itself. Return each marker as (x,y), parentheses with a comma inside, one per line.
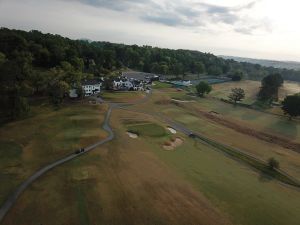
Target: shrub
(203,88)
(273,164)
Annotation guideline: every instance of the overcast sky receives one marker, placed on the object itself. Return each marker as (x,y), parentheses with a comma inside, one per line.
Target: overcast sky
(259,28)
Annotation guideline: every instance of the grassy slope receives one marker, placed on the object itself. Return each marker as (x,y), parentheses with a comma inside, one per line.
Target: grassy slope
(125,183)
(27,145)
(259,120)
(248,197)
(249,117)
(289,160)
(122,182)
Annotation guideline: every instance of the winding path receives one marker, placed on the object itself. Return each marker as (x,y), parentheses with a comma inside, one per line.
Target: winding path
(106,126)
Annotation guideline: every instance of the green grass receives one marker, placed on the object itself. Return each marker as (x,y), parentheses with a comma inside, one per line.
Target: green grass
(254,163)
(10,150)
(249,197)
(147,129)
(159,85)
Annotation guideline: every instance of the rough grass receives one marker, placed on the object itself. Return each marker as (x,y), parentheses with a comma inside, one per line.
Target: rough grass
(122,183)
(289,88)
(251,88)
(27,145)
(122,96)
(275,124)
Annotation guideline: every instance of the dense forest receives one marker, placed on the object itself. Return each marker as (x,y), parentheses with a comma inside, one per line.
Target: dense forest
(34,64)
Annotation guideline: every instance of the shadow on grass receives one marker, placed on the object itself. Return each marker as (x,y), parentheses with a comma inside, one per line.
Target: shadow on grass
(284,126)
(262,167)
(264,178)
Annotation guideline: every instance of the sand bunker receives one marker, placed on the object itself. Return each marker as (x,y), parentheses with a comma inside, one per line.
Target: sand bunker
(132,135)
(172,130)
(171,145)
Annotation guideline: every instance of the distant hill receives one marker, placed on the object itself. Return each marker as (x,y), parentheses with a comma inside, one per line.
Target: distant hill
(268,63)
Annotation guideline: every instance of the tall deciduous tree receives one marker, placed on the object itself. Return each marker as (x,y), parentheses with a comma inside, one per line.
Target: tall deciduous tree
(291,105)
(270,86)
(236,95)
(58,91)
(15,86)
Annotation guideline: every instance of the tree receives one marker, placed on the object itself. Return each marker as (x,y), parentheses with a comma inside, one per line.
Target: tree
(236,95)
(155,68)
(203,88)
(108,83)
(273,164)
(214,70)
(177,69)
(58,91)
(164,69)
(291,105)
(15,86)
(270,86)
(237,75)
(2,58)
(199,68)
(80,92)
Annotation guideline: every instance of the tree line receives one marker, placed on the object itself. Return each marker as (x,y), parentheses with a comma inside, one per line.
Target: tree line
(33,63)
(48,51)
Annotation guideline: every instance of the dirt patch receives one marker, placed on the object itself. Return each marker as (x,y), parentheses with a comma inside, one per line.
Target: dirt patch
(173,143)
(164,101)
(214,112)
(281,141)
(182,101)
(132,135)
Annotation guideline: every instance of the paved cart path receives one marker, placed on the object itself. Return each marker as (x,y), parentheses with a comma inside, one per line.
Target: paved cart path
(11,200)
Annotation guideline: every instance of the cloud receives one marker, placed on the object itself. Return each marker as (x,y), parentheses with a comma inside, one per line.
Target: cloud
(118,5)
(187,13)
